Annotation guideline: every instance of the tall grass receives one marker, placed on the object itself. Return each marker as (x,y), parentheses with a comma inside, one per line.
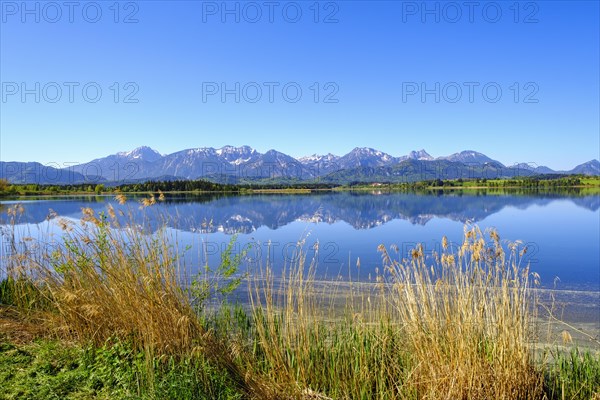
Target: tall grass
(107,281)
(458,326)
(308,344)
(467,318)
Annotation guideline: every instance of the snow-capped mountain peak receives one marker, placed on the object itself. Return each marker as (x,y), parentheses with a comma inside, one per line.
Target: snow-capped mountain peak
(312,157)
(201,151)
(420,155)
(143,153)
(237,155)
(234,150)
(364,157)
(317,158)
(470,157)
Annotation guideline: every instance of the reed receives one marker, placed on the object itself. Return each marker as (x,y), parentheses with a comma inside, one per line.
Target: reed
(109,279)
(457,326)
(467,316)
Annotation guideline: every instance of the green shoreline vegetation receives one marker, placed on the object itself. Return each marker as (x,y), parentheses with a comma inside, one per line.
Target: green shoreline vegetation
(582,183)
(112,312)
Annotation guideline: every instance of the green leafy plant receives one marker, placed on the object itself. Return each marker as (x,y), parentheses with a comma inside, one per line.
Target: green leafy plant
(219,282)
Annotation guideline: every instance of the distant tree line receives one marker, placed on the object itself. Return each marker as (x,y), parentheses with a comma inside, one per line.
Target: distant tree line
(175,186)
(201,185)
(541,181)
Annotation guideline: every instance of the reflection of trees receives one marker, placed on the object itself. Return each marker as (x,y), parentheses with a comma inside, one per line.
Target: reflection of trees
(245,214)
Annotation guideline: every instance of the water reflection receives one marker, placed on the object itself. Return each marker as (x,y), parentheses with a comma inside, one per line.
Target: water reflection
(247,213)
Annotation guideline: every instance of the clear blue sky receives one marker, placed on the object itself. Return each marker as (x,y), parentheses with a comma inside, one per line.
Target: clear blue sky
(375,56)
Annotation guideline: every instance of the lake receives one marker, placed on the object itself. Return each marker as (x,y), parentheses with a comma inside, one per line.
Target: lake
(561,231)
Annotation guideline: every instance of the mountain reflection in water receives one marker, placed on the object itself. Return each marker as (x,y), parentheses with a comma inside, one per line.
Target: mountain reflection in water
(247,213)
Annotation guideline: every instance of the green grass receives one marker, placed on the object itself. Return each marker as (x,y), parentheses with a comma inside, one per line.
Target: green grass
(591,181)
(46,369)
(573,375)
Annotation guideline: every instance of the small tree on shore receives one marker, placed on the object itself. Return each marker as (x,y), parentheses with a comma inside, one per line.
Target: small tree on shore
(4,185)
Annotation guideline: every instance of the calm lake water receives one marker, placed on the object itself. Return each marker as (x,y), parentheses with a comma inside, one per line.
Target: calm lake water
(561,232)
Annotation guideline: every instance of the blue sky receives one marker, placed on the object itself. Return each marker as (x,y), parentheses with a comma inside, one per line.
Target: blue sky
(369,60)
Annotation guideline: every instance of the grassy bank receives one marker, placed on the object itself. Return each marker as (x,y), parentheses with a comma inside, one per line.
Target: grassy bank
(112,312)
(49,368)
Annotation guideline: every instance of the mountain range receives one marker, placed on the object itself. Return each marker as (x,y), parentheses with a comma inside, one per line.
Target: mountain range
(244,164)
